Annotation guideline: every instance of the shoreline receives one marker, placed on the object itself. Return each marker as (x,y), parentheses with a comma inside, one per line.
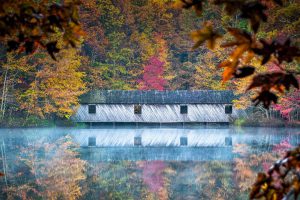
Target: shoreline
(70,124)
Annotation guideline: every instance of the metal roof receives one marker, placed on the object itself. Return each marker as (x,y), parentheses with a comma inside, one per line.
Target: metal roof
(157,97)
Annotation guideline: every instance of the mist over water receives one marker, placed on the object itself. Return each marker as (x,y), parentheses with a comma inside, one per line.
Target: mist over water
(137,163)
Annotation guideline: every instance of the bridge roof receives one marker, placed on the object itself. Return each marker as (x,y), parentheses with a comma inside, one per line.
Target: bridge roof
(157,97)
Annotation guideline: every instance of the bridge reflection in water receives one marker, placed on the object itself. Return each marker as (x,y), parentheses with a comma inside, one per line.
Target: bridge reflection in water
(169,144)
(123,163)
(173,144)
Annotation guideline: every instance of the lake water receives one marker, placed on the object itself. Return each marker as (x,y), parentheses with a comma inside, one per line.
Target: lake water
(137,163)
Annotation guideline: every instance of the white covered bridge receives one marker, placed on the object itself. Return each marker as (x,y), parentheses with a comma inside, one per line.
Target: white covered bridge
(118,106)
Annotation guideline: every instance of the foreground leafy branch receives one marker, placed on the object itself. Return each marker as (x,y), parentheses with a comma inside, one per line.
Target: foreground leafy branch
(27,25)
(282,181)
(245,47)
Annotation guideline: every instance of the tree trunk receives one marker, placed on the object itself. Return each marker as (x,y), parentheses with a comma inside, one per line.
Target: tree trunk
(3,98)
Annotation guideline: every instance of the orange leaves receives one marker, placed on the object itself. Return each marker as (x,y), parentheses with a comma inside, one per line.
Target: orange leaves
(246,47)
(229,70)
(279,81)
(205,34)
(242,43)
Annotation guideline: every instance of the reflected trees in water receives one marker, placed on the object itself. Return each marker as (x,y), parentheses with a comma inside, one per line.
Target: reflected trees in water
(57,170)
(52,170)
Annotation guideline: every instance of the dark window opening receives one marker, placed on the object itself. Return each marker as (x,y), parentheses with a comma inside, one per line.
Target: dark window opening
(92,142)
(183,141)
(137,109)
(228,141)
(137,141)
(183,109)
(92,109)
(228,109)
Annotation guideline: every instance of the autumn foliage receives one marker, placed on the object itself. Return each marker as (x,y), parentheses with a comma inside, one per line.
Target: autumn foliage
(28,25)
(281,180)
(153,75)
(245,46)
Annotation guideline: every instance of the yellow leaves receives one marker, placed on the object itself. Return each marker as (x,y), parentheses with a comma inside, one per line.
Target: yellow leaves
(56,88)
(62,171)
(205,34)
(264,186)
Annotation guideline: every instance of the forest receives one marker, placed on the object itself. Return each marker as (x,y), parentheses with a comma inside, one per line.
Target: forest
(138,45)
(54,52)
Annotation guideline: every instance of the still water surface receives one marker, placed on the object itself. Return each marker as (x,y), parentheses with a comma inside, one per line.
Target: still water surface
(137,163)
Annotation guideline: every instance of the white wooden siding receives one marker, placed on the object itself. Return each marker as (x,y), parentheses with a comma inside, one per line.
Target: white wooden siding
(153,113)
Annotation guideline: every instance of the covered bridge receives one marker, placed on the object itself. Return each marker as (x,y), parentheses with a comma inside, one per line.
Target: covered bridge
(182,106)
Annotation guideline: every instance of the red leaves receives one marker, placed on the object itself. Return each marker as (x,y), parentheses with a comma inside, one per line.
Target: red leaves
(153,75)
(279,81)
